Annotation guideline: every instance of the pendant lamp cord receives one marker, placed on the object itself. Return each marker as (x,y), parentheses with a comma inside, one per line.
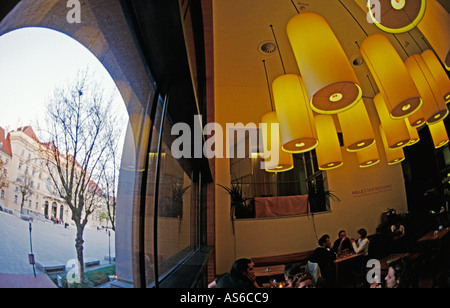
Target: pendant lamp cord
(268,85)
(298,12)
(278,47)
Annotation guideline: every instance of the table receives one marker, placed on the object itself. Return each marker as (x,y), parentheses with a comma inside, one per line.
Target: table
(388,260)
(272,270)
(434,235)
(339,262)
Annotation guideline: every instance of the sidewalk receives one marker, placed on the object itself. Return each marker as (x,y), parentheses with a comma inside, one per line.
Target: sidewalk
(25,281)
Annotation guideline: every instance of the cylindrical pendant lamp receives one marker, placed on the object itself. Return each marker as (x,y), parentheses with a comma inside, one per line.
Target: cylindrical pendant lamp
(391,76)
(435,26)
(356,128)
(271,142)
(329,155)
(438,134)
(368,157)
(413,133)
(297,129)
(330,81)
(438,72)
(396,16)
(434,108)
(392,156)
(397,133)
(417,119)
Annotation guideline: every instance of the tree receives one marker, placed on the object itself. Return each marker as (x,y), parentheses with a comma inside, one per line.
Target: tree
(24,184)
(3,175)
(80,125)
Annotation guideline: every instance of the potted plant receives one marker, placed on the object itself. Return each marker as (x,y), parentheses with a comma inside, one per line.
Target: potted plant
(318,197)
(239,203)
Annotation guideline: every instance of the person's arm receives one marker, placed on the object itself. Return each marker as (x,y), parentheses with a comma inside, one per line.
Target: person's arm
(362,247)
(212,285)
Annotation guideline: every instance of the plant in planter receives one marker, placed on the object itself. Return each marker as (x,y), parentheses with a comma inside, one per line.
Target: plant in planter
(239,203)
(318,197)
(178,192)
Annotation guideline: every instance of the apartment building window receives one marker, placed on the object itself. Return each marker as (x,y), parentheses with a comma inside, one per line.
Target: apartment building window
(30,203)
(15,198)
(37,206)
(20,166)
(2,195)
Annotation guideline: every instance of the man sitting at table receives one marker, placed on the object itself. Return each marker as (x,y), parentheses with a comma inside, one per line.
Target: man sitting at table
(324,257)
(342,244)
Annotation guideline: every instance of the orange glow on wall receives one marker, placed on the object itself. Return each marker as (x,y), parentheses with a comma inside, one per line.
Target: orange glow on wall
(297,130)
(434,108)
(285,160)
(329,155)
(396,131)
(391,76)
(356,128)
(330,81)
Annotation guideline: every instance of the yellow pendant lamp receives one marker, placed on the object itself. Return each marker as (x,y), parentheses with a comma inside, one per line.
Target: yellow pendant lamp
(434,108)
(396,16)
(397,133)
(297,129)
(417,119)
(356,128)
(330,82)
(329,155)
(271,140)
(368,157)
(438,72)
(438,134)
(413,133)
(391,76)
(435,26)
(392,156)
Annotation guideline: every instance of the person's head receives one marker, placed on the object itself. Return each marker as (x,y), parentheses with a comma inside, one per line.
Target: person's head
(324,241)
(362,233)
(397,276)
(291,271)
(242,267)
(305,282)
(342,234)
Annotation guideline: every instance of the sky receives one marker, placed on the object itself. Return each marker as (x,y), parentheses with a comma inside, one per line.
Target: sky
(33,61)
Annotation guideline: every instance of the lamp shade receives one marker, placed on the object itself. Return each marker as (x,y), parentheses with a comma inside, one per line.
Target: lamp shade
(417,119)
(271,140)
(297,130)
(434,108)
(413,133)
(392,156)
(391,76)
(328,152)
(438,134)
(368,157)
(330,82)
(356,128)
(438,72)
(396,131)
(396,16)
(435,26)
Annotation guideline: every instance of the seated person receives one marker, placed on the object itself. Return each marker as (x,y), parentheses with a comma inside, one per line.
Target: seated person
(362,245)
(305,282)
(240,276)
(342,244)
(324,257)
(291,274)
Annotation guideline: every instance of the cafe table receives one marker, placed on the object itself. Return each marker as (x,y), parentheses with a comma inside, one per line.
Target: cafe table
(346,260)
(267,271)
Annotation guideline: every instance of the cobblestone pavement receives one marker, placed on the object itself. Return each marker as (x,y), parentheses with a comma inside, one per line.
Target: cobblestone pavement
(51,243)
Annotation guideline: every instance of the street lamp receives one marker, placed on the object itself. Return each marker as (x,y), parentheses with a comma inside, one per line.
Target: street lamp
(31,259)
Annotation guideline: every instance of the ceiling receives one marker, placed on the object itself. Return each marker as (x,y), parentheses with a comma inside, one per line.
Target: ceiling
(241,26)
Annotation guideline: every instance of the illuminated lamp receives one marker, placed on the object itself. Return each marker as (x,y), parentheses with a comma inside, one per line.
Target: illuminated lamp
(438,72)
(417,119)
(368,157)
(396,16)
(435,26)
(297,130)
(392,156)
(391,76)
(329,79)
(413,133)
(328,152)
(434,108)
(285,160)
(438,134)
(356,128)
(396,131)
